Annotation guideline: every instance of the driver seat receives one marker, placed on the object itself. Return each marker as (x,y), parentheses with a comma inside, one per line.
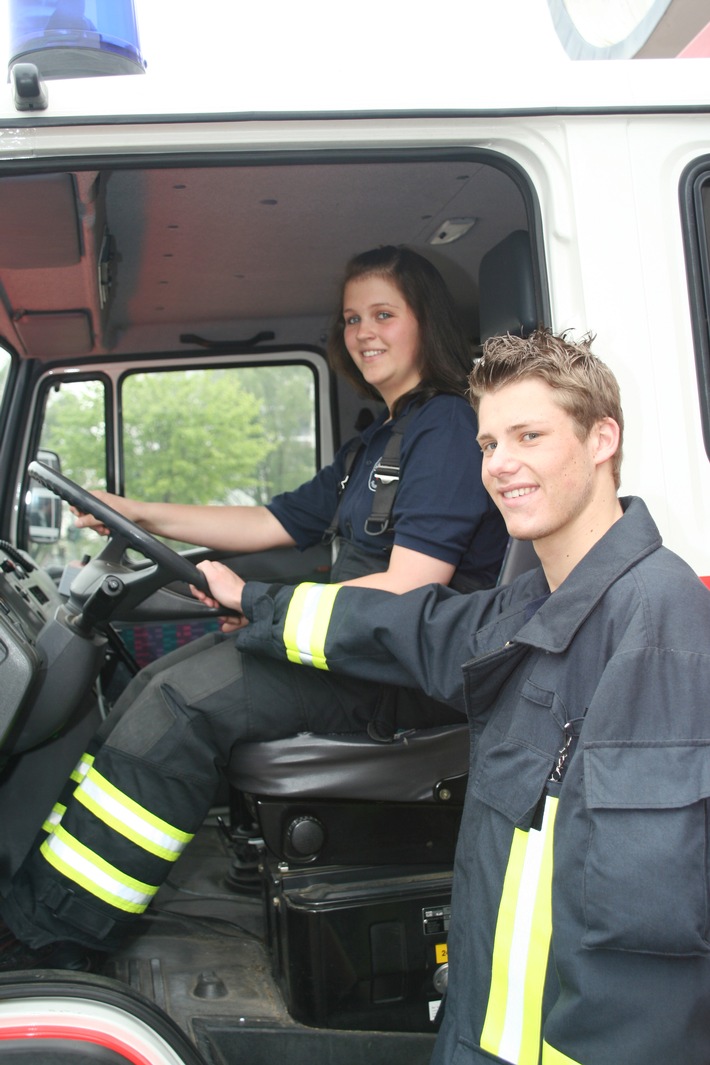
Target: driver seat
(346,799)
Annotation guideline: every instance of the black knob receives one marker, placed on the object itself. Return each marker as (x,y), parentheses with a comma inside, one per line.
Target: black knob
(305,836)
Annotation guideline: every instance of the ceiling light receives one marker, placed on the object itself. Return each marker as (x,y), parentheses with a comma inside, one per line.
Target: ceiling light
(452,229)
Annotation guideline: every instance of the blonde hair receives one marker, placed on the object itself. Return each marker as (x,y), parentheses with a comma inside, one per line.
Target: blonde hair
(584,386)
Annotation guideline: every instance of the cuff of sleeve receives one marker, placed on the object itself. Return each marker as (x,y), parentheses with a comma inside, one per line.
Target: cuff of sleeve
(252,592)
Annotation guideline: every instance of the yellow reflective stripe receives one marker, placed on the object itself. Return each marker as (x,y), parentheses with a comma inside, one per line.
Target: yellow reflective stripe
(306,624)
(82,767)
(125,816)
(513,1022)
(55,815)
(550,1056)
(95,875)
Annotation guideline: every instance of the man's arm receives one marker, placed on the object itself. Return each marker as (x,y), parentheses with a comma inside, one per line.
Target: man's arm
(416,640)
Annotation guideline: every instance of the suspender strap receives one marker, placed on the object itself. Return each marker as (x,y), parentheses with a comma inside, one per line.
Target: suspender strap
(386,478)
(332,531)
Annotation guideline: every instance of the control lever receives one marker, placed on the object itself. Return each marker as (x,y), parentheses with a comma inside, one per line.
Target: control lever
(100,605)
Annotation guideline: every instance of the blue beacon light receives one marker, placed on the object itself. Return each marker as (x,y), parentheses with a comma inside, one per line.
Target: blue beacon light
(75,38)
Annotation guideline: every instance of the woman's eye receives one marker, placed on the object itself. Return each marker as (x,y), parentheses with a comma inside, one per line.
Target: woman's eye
(352,319)
(383,314)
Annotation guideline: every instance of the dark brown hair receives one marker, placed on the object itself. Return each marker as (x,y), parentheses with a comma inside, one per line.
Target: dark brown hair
(444,352)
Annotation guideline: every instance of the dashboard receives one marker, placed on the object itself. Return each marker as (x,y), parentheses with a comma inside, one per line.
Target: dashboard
(46,663)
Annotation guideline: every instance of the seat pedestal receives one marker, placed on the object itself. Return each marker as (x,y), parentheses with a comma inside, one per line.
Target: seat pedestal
(358,948)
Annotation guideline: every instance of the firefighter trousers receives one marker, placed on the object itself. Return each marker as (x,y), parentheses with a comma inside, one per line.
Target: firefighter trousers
(146,783)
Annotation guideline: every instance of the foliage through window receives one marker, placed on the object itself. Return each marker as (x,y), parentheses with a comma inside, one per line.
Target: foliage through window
(215,435)
(224,435)
(73,439)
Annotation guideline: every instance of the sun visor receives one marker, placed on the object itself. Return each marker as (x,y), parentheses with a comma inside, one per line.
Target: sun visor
(39,222)
(49,335)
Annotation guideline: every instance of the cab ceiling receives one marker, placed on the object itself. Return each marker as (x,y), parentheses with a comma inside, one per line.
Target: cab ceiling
(128,261)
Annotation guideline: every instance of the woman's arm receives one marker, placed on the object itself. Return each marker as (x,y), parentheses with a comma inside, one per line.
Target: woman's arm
(407,570)
(220,528)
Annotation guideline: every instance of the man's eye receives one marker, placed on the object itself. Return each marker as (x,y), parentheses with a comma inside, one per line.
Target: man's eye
(490,446)
(531,436)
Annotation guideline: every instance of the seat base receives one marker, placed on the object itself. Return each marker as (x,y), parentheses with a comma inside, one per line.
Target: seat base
(359,948)
(328,832)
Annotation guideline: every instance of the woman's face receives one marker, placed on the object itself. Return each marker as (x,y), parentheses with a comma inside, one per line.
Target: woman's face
(382,336)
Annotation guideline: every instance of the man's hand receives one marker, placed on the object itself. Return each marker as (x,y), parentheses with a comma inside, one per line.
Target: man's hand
(226,588)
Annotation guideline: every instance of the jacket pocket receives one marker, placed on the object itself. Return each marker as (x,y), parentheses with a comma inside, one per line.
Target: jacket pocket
(517,752)
(646,867)
(511,779)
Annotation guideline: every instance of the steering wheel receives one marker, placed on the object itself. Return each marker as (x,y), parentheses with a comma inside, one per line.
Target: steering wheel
(169,563)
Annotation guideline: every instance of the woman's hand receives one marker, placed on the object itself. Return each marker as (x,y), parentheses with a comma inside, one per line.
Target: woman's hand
(226,588)
(124,506)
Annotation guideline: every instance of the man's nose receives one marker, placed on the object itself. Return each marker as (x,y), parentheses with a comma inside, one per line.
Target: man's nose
(501,460)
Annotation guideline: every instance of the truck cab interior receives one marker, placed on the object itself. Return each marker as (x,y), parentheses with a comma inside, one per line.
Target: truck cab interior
(311,912)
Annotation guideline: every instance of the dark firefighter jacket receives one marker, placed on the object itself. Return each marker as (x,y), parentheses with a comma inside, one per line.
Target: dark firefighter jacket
(581,913)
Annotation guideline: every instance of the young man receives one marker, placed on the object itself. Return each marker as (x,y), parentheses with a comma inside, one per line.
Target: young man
(581,920)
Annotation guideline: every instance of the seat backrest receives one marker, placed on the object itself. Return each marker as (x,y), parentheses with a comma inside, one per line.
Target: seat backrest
(519,558)
(506,288)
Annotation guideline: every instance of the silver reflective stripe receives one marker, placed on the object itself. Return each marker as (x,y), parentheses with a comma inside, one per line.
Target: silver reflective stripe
(512,1027)
(54,818)
(82,767)
(306,624)
(94,874)
(127,817)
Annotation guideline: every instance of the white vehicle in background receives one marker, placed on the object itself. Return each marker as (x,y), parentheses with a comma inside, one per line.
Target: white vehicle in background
(165,247)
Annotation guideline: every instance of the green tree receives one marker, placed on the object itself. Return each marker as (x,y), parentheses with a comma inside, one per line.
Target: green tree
(74,426)
(218,435)
(288,409)
(191,436)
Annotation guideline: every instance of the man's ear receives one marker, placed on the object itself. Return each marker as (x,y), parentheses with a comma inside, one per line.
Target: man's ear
(605,436)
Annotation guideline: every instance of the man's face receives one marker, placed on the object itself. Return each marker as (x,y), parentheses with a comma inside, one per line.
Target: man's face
(539,473)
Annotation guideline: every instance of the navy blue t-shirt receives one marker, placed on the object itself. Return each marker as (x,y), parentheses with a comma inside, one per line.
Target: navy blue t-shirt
(441,508)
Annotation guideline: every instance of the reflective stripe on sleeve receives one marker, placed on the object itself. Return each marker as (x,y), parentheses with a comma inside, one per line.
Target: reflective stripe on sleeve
(125,816)
(306,624)
(95,875)
(550,1056)
(513,1023)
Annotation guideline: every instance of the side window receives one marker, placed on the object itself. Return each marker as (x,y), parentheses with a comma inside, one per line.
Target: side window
(72,439)
(221,435)
(695,201)
(231,435)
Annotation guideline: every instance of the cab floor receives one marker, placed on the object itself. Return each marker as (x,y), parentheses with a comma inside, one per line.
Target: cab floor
(200,955)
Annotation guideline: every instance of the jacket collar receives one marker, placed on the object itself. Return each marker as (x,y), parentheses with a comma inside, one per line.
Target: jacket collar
(629,540)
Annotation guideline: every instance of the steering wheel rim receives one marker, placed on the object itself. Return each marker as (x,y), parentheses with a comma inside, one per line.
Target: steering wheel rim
(164,557)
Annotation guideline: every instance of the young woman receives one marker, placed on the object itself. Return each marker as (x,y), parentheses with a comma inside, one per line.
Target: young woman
(153,769)
(397,338)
